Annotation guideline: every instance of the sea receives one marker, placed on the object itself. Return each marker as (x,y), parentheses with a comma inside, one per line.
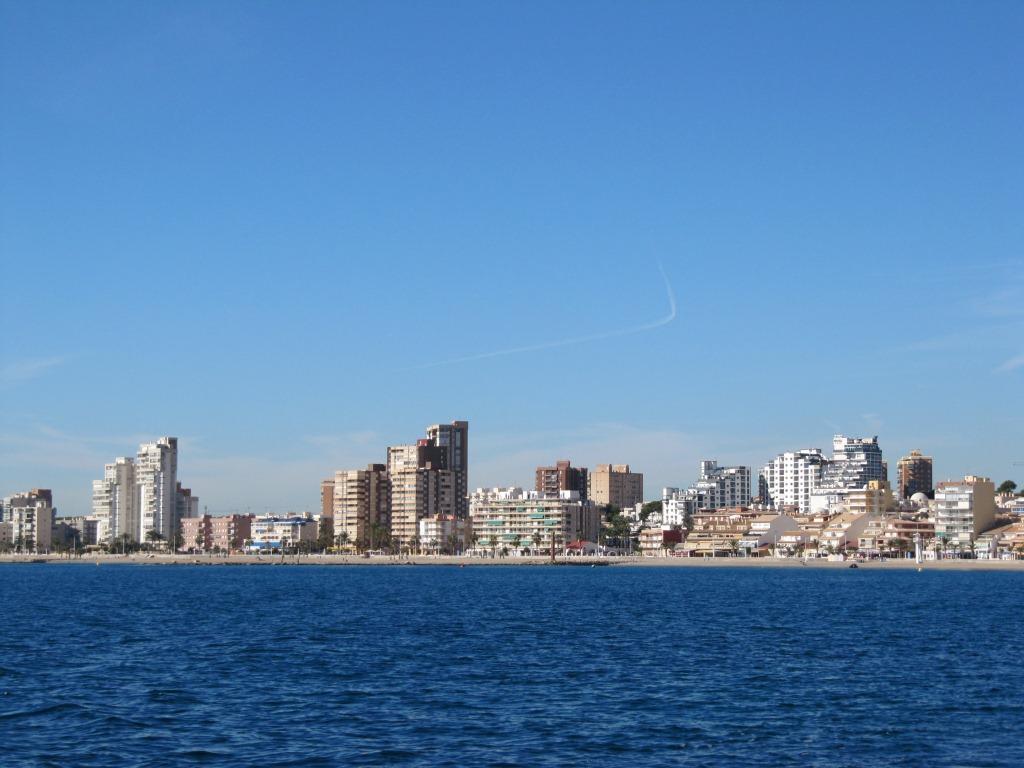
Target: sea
(305,665)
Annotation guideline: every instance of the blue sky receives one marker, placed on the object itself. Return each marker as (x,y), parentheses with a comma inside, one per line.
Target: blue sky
(260,226)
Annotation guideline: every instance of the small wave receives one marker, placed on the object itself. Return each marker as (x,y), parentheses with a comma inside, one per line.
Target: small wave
(49,709)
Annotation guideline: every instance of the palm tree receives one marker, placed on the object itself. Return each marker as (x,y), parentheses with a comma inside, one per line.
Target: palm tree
(341,540)
(453,544)
(200,542)
(537,539)
(414,544)
(516,541)
(493,541)
(153,536)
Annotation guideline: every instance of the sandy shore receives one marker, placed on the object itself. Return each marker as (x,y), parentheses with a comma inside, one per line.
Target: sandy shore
(652,562)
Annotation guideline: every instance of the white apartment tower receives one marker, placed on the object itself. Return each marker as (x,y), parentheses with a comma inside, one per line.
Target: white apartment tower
(113,501)
(716,488)
(789,479)
(156,476)
(855,462)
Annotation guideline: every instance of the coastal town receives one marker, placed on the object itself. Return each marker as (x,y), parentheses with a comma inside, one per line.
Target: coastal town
(802,504)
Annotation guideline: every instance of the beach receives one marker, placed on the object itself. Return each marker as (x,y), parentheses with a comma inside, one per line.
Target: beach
(141,558)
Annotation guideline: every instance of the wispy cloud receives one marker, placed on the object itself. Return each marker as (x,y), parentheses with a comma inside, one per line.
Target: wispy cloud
(18,371)
(1011,365)
(668,318)
(874,422)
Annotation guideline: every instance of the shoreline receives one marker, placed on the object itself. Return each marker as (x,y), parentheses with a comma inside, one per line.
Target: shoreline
(453,561)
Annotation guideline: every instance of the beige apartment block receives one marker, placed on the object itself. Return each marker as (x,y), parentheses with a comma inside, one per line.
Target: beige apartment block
(360,504)
(529,521)
(874,499)
(616,485)
(964,509)
(420,487)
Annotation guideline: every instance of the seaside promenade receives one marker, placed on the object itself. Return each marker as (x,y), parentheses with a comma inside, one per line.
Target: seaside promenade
(141,558)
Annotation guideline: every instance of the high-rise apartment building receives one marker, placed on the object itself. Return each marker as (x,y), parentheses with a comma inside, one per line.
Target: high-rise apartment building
(789,478)
(143,494)
(113,501)
(561,477)
(716,488)
(855,462)
(914,475)
(361,504)
(963,509)
(156,481)
(616,485)
(420,487)
(452,440)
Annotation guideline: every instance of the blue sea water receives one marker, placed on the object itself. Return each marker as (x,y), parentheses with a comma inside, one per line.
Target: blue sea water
(393,665)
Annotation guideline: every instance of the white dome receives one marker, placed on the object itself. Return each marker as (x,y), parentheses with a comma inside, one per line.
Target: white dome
(919,498)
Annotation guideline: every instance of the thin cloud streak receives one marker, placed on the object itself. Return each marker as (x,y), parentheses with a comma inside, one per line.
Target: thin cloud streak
(1011,365)
(673,311)
(24,370)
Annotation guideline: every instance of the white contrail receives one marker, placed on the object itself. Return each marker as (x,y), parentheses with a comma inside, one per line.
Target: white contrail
(672,312)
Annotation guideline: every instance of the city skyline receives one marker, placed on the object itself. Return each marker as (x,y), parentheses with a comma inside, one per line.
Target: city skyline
(692,475)
(288,254)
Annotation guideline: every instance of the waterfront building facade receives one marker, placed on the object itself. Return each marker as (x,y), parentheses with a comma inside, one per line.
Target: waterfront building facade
(658,540)
(914,475)
(894,535)
(763,535)
(275,533)
(855,462)
(615,485)
(963,510)
(143,494)
(30,516)
(718,532)
(561,477)
(843,532)
(224,533)
(716,488)
(527,520)
(113,501)
(419,488)
(156,482)
(361,504)
(85,528)
(452,443)
(874,499)
(442,533)
(790,478)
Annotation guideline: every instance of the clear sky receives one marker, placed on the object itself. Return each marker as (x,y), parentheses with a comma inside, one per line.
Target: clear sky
(293,233)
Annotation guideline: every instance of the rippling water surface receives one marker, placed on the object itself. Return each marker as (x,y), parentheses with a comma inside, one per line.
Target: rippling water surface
(325,666)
